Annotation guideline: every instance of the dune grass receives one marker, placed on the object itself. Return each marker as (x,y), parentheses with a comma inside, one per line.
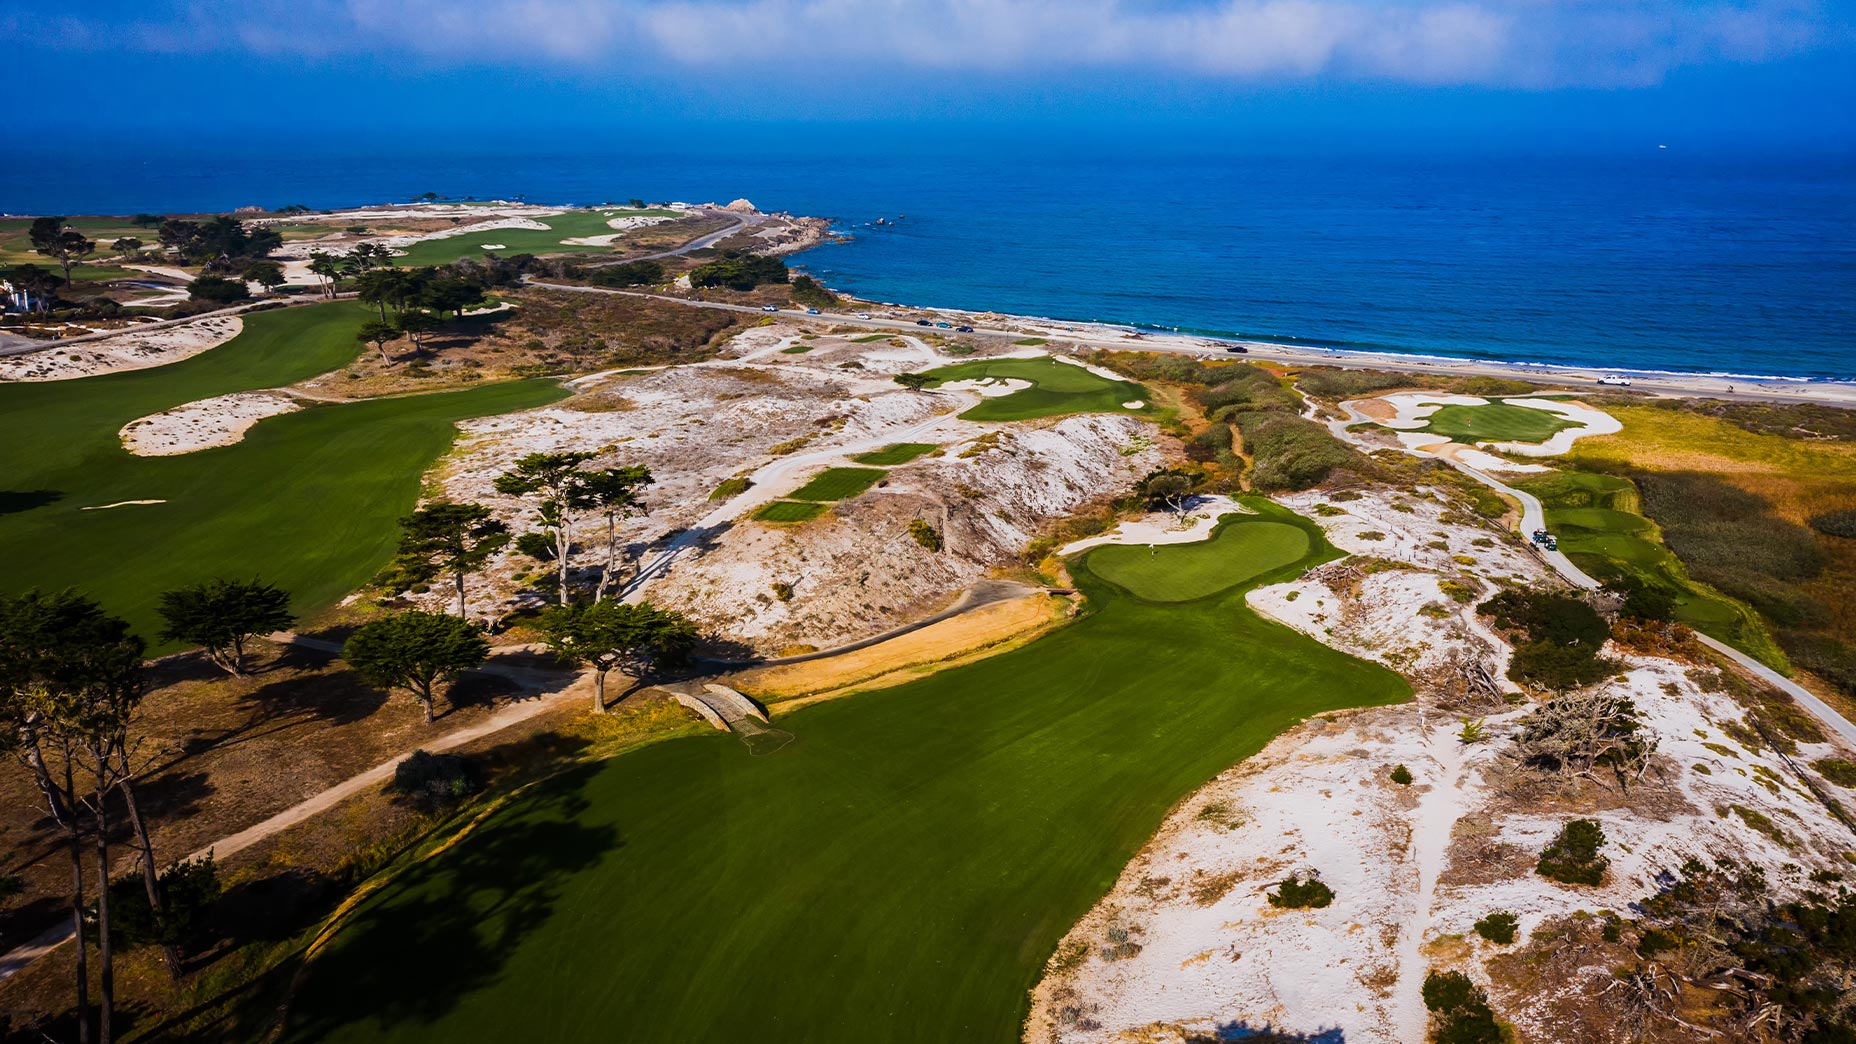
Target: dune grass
(838,484)
(1056,389)
(1496,422)
(898,873)
(574,224)
(307,500)
(900,453)
(1596,519)
(789,511)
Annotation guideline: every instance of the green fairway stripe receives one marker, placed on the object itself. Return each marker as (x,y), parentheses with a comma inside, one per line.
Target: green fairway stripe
(899,873)
(308,500)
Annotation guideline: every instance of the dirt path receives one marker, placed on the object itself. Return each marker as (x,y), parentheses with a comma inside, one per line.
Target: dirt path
(1432,823)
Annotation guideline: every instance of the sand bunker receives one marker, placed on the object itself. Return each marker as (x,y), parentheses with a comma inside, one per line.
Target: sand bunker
(1194,524)
(990,387)
(1105,374)
(130,350)
(623,224)
(204,424)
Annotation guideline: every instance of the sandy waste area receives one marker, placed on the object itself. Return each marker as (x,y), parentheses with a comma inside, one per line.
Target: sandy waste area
(1186,945)
(130,350)
(203,424)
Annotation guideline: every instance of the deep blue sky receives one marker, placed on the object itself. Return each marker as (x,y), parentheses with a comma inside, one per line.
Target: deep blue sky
(1511,75)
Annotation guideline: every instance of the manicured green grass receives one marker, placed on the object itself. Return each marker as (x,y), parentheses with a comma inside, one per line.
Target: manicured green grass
(1057,388)
(899,873)
(1596,521)
(1184,572)
(572,225)
(1031,342)
(867,338)
(1496,422)
(789,511)
(900,453)
(838,484)
(797,349)
(308,500)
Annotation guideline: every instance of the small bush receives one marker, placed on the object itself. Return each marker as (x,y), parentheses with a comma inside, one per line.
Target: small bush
(783,590)
(731,488)
(190,888)
(1572,857)
(1836,524)
(1460,1012)
(925,535)
(1498,927)
(1301,890)
(434,781)
(1402,776)
(1119,946)
(1837,770)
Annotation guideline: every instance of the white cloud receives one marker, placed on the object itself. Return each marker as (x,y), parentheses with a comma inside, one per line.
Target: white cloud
(1530,43)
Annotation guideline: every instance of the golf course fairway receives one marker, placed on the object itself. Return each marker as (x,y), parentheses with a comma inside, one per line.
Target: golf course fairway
(308,500)
(1056,389)
(899,872)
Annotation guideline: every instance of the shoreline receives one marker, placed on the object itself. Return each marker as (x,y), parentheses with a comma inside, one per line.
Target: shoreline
(1128,337)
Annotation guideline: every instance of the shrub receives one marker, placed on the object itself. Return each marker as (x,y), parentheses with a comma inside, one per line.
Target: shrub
(218,290)
(1559,638)
(925,535)
(1301,890)
(1498,927)
(434,781)
(1471,732)
(807,291)
(1574,735)
(783,590)
(1460,1012)
(731,487)
(1402,776)
(190,889)
(631,273)
(1343,384)
(736,271)
(1572,857)
(1836,524)
(1292,453)
(1837,770)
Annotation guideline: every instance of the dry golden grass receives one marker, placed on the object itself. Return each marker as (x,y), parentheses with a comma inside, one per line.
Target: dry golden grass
(985,631)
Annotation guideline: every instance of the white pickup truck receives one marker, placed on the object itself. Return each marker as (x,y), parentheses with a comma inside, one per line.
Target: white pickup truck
(1616,381)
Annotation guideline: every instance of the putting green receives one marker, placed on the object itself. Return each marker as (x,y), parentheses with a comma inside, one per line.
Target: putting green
(307,500)
(1496,422)
(900,872)
(1056,388)
(1234,553)
(576,224)
(1595,520)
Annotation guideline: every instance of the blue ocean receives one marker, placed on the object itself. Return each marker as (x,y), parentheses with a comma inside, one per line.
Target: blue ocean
(1643,258)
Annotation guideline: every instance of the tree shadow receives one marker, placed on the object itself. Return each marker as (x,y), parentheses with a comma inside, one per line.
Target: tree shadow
(445,927)
(172,795)
(1243,1030)
(479,689)
(16,500)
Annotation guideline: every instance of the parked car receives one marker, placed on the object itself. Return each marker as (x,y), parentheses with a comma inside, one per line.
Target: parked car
(811,311)
(923,322)
(963,329)
(945,326)
(863,315)
(1238,348)
(769,308)
(1615,381)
